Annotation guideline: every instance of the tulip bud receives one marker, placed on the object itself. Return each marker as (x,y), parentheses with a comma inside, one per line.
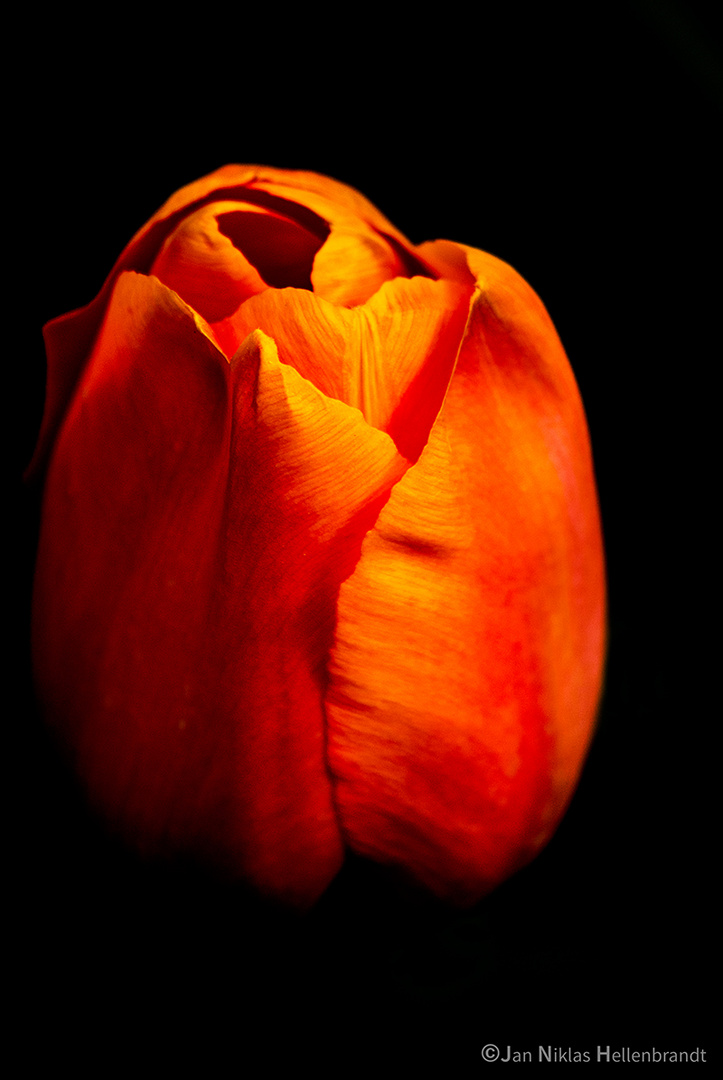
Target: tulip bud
(320,565)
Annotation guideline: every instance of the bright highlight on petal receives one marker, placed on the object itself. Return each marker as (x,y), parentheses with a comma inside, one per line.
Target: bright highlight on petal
(320,565)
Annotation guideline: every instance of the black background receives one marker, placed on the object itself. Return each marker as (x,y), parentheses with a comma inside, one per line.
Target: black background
(581,148)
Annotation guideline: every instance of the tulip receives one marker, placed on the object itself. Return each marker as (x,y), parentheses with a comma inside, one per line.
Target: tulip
(320,565)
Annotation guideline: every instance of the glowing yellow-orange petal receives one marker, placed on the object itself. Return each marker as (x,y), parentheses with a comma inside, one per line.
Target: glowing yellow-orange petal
(352,264)
(390,358)
(467,660)
(403,386)
(195,531)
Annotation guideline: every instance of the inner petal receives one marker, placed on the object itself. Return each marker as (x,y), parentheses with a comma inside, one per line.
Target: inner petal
(407,340)
(227,251)
(353,264)
(391,358)
(203,265)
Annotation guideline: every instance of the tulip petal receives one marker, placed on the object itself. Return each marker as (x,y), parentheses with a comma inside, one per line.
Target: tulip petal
(203,265)
(196,530)
(466,666)
(226,252)
(391,358)
(352,265)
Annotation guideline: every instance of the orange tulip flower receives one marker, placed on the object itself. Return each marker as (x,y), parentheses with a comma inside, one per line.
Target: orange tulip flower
(320,564)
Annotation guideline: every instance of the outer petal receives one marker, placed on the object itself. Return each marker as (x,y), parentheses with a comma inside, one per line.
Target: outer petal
(467,661)
(196,529)
(320,194)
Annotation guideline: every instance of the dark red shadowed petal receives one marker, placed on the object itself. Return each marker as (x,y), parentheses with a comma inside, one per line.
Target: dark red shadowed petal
(196,530)
(281,249)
